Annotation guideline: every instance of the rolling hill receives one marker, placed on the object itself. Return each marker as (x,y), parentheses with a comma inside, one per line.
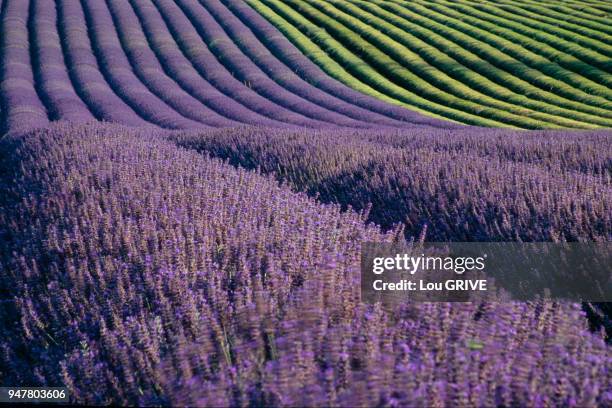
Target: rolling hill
(186,187)
(314,63)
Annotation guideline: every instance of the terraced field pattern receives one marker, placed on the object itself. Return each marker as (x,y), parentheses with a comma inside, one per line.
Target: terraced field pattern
(185,186)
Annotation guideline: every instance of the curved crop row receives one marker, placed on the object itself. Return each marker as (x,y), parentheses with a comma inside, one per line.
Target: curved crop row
(84,70)
(20,105)
(120,74)
(545,30)
(199,63)
(244,69)
(544,92)
(151,73)
(56,88)
(166,64)
(294,56)
(590,26)
(522,47)
(171,57)
(353,66)
(448,60)
(408,56)
(587,55)
(503,41)
(589,8)
(211,69)
(244,38)
(358,38)
(409,68)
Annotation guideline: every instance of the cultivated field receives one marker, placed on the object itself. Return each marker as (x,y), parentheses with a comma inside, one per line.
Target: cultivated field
(510,64)
(185,186)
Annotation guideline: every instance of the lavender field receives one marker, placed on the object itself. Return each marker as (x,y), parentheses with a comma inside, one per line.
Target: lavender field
(185,187)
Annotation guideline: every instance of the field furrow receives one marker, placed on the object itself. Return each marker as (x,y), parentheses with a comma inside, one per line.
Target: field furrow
(84,70)
(411,177)
(591,26)
(565,89)
(357,68)
(410,54)
(540,27)
(540,56)
(210,68)
(589,53)
(292,55)
(480,88)
(177,65)
(120,74)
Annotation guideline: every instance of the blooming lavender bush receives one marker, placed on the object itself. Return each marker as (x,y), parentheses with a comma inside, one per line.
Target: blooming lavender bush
(162,261)
(464,185)
(137,272)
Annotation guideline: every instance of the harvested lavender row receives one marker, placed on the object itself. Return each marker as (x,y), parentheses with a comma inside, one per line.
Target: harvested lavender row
(473,185)
(136,272)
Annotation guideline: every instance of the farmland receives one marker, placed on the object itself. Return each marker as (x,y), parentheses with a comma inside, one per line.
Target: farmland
(185,187)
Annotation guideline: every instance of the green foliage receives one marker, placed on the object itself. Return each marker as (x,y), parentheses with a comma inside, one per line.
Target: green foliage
(426,56)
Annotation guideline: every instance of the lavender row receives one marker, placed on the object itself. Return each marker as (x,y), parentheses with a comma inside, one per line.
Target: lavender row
(213,71)
(460,185)
(150,71)
(56,88)
(120,74)
(19,103)
(250,45)
(136,272)
(246,70)
(298,62)
(84,69)
(177,65)
(159,63)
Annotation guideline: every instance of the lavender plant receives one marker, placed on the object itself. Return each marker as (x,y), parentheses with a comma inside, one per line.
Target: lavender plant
(472,185)
(137,272)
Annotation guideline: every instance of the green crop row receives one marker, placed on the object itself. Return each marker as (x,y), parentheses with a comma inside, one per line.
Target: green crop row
(350,67)
(402,65)
(328,64)
(561,14)
(478,73)
(436,58)
(504,54)
(522,47)
(555,29)
(383,55)
(596,55)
